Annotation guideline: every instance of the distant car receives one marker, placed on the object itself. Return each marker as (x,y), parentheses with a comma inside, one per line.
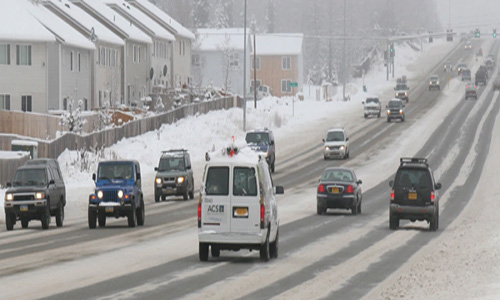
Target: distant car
(395,110)
(434,82)
(489,63)
(36,193)
(460,67)
(470,91)
(466,75)
(448,66)
(262,141)
(339,188)
(336,144)
(481,76)
(414,194)
(174,175)
(402,91)
(372,107)
(468,45)
(496,84)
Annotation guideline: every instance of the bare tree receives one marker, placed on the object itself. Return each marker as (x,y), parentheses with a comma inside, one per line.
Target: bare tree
(229,60)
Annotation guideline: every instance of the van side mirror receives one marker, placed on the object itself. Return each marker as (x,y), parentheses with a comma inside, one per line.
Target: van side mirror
(323,140)
(346,139)
(359,181)
(156,169)
(272,143)
(438,186)
(93,177)
(9,184)
(188,167)
(391,183)
(138,176)
(52,182)
(362,102)
(279,190)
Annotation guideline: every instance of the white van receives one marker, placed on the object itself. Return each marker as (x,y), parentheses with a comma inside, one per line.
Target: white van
(237,207)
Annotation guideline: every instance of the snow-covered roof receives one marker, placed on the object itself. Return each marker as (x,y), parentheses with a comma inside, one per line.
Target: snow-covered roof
(63,31)
(13,154)
(180,30)
(212,39)
(142,18)
(86,21)
(134,33)
(279,44)
(16,24)
(24,143)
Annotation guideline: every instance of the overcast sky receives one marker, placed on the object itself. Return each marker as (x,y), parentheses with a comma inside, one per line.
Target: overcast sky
(468,14)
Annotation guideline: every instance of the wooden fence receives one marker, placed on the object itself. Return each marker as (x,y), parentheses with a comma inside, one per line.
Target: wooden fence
(8,167)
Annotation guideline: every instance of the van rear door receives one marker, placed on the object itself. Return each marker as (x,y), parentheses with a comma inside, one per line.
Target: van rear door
(245,204)
(215,208)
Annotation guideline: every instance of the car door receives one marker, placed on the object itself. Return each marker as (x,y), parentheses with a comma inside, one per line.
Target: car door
(246,199)
(216,200)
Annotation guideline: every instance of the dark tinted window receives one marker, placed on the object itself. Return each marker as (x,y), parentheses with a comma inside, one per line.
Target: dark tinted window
(244,182)
(395,104)
(413,178)
(217,181)
(259,138)
(172,164)
(372,100)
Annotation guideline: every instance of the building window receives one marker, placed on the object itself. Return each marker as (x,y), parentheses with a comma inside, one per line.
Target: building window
(5,102)
(195,60)
(285,86)
(257,62)
(4,54)
(286,62)
(180,47)
(23,53)
(103,56)
(233,59)
(137,54)
(71,60)
(79,62)
(26,103)
(183,48)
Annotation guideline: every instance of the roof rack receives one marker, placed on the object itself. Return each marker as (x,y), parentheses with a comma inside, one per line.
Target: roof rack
(174,150)
(418,160)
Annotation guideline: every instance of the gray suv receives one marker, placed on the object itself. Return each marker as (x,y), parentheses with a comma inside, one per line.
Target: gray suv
(36,193)
(395,110)
(262,141)
(174,176)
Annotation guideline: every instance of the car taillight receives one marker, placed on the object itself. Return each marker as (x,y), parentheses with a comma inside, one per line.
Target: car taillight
(321,188)
(262,216)
(392,195)
(350,189)
(433,196)
(199,214)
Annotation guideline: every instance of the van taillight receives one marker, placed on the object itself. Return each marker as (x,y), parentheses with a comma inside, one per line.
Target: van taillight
(350,189)
(199,215)
(392,195)
(321,188)
(433,196)
(262,216)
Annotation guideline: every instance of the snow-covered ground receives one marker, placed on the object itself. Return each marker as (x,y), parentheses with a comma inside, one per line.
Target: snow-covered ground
(303,123)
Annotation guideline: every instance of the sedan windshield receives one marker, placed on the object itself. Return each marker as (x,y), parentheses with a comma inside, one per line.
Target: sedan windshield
(35,177)
(335,136)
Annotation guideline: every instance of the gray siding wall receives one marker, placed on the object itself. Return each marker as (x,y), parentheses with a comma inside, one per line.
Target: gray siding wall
(136,73)
(76,83)
(54,76)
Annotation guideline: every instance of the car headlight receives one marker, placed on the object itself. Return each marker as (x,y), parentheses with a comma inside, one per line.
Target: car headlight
(180,180)
(158,180)
(437,82)
(120,194)
(400,111)
(342,147)
(327,148)
(9,197)
(100,194)
(406,94)
(39,196)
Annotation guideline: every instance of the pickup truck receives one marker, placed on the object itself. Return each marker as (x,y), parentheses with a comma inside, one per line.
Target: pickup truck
(402,91)
(372,107)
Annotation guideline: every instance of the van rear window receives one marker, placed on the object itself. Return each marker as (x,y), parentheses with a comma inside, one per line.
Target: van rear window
(244,182)
(217,181)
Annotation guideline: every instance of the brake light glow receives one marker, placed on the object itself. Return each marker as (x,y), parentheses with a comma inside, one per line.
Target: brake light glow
(392,195)
(199,215)
(433,196)
(350,189)
(321,188)
(262,216)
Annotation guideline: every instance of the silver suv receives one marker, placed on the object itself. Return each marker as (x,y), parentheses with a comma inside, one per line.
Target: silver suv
(336,144)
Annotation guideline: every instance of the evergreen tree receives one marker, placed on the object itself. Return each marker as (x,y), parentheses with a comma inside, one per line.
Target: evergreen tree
(270,15)
(200,13)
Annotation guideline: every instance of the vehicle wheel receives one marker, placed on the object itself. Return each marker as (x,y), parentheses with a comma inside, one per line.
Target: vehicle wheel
(141,214)
(403,119)
(264,249)
(46,217)
(191,194)
(92,218)
(101,219)
(60,215)
(157,198)
(24,222)
(388,120)
(9,221)
(393,222)
(348,153)
(203,251)
(366,116)
(324,157)
(273,248)
(359,208)
(215,251)
(434,224)
(185,195)
(378,116)
(319,209)
(354,209)
(132,218)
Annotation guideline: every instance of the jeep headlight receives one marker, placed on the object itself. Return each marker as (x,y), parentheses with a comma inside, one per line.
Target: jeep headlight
(180,180)
(120,194)
(9,197)
(100,194)
(400,111)
(388,112)
(158,180)
(39,196)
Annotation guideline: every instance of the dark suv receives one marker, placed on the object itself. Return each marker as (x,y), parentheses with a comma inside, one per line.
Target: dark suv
(395,110)
(118,193)
(37,193)
(414,194)
(174,176)
(263,141)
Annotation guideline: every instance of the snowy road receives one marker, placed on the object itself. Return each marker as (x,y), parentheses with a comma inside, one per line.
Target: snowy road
(337,256)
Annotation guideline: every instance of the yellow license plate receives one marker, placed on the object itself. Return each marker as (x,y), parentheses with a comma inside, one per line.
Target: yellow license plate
(334,190)
(242,211)
(412,196)
(23,208)
(109,209)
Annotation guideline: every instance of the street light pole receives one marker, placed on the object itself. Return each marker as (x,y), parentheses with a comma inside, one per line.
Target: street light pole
(245,69)
(344,75)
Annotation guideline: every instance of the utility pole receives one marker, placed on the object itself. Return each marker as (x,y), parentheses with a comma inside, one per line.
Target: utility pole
(344,75)
(254,67)
(245,69)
